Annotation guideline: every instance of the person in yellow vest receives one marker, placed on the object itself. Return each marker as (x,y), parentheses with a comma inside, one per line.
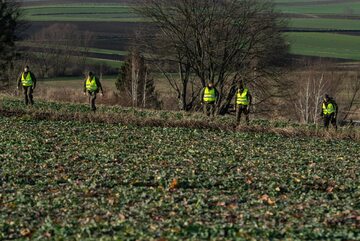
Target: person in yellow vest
(92,87)
(28,82)
(209,96)
(329,111)
(243,101)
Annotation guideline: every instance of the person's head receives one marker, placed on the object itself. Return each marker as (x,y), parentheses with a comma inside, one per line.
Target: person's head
(326,98)
(210,84)
(90,74)
(26,69)
(241,86)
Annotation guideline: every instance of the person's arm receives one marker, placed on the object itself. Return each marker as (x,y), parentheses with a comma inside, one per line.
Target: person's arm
(98,83)
(33,79)
(85,86)
(321,109)
(19,81)
(336,109)
(216,95)
(202,95)
(250,99)
(235,102)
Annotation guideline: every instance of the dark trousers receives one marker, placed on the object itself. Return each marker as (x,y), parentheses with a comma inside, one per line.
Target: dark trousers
(209,108)
(242,109)
(28,95)
(92,99)
(330,119)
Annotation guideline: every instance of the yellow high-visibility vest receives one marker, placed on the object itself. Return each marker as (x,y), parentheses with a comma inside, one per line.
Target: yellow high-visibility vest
(209,95)
(26,81)
(91,84)
(329,109)
(242,98)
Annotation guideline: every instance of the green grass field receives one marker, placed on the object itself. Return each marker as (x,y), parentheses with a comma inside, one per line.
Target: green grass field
(87,180)
(345,8)
(81,12)
(325,45)
(324,24)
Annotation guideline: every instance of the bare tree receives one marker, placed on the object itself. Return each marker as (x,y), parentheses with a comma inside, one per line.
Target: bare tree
(219,41)
(134,79)
(352,92)
(308,87)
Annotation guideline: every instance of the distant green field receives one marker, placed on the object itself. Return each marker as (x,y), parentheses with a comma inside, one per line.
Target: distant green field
(298,1)
(324,23)
(90,50)
(92,60)
(111,63)
(347,8)
(107,51)
(325,45)
(81,12)
(317,44)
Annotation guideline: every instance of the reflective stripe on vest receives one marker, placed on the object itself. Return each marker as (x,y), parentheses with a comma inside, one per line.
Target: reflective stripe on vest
(91,84)
(26,81)
(329,109)
(209,95)
(242,98)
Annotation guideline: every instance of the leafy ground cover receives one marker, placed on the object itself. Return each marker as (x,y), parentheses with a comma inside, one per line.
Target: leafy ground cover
(77,180)
(58,111)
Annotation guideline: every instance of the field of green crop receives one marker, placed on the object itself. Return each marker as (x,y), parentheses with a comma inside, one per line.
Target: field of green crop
(325,45)
(67,180)
(81,12)
(324,24)
(340,7)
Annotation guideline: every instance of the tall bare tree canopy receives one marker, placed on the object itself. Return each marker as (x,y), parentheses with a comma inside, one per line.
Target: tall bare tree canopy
(9,22)
(220,41)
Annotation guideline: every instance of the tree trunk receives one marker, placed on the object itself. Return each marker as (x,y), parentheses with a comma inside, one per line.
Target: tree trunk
(145,90)
(134,81)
